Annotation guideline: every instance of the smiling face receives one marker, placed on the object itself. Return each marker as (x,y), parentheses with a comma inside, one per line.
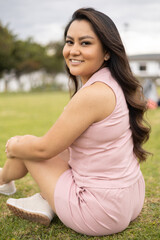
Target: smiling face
(83,51)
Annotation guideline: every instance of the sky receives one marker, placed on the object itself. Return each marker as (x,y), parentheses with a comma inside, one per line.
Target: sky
(138,21)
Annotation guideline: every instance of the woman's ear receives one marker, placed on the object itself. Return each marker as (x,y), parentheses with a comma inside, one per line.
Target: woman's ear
(107,56)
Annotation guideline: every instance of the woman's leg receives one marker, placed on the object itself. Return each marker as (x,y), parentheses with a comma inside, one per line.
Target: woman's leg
(13,169)
(45,173)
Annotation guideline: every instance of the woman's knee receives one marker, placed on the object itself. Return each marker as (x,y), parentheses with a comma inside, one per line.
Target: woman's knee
(46,174)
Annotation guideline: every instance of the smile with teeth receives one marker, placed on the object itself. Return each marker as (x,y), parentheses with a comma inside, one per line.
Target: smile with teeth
(75,61)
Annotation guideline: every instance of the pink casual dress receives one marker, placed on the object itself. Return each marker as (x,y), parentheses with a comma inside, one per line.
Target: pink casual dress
(104,190)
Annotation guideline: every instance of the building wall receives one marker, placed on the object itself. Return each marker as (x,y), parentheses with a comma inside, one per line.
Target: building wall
(145,68)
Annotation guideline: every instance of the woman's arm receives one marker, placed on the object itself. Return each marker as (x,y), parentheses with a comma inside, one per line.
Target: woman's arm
(89,105)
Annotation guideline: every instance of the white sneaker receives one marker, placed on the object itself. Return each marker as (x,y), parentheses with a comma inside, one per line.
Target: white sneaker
(33,208)
(8,188)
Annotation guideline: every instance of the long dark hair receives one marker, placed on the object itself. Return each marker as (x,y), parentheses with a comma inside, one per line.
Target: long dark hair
(118,64)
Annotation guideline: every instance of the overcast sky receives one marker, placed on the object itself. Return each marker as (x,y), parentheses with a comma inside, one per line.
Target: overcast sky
(138,21)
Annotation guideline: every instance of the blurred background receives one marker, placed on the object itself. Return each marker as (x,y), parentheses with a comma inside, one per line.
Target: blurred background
(31,40)
(34,91)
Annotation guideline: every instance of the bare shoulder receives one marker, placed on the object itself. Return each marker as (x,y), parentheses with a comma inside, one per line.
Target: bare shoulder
(98,91)
(103,92)
(98,99)
(105,99)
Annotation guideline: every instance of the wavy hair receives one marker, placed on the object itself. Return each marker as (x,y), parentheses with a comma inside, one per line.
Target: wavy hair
(119,67)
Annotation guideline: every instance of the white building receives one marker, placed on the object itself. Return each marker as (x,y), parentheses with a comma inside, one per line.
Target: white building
(146,66)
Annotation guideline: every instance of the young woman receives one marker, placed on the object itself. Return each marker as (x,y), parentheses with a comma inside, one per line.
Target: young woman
(87,164)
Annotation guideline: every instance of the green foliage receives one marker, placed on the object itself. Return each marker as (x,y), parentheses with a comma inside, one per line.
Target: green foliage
(26,56)
(35,113)
(6,48)
(54,57)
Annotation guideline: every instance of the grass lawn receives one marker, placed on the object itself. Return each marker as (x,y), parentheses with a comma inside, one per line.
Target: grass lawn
(34,114)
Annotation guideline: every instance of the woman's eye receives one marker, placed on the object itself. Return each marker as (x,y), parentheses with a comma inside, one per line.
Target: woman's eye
(69,42)
(85,43)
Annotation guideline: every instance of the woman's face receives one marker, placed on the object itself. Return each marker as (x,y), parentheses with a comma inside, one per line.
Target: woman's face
(83,51)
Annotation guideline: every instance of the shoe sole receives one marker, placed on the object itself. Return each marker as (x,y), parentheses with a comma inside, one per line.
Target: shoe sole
(34,217)
(7,194)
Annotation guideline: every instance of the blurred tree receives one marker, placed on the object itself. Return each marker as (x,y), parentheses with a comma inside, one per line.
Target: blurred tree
(27,56)
(6,48)
(53,62)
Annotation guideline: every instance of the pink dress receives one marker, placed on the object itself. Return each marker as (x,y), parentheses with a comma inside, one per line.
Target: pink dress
(104,190)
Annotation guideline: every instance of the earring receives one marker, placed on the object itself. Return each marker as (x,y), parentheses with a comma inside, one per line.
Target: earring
(106,58)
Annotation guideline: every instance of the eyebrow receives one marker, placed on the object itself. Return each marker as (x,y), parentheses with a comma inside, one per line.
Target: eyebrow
(81,38)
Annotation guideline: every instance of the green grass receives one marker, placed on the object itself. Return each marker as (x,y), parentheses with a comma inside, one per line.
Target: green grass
(35,114)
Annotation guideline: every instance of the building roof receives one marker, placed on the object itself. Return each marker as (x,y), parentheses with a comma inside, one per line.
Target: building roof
(145,57)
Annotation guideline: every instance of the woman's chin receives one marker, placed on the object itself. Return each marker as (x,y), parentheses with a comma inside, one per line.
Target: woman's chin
(74,72)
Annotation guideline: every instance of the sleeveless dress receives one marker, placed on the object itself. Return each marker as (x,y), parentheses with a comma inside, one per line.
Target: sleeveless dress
(104,190)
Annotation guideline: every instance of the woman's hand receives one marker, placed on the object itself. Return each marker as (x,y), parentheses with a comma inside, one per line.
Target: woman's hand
(16,141)
(10,145)
(28,147)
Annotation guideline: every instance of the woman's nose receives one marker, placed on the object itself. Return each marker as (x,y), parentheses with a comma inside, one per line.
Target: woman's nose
(75,50)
